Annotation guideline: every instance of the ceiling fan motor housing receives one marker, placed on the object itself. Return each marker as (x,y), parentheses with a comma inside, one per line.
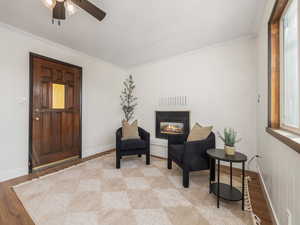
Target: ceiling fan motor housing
(59,11)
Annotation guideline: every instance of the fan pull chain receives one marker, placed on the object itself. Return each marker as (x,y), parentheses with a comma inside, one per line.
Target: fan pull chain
(58,22)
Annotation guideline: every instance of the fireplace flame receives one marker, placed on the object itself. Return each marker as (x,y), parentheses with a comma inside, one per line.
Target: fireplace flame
(171,129)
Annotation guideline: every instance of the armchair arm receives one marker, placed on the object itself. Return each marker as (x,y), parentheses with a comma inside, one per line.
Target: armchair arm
(145,136)
(176,139)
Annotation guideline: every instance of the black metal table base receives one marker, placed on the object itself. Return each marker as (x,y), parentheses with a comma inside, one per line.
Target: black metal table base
(227,191)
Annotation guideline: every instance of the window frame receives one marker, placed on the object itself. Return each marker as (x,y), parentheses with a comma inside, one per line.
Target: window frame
(282,69)
(284,134)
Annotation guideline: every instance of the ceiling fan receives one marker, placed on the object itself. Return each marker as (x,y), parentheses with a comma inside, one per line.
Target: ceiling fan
(62,7)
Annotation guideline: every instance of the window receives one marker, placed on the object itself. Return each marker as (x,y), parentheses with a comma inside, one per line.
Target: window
(290,113)
(58,96)
(284,73)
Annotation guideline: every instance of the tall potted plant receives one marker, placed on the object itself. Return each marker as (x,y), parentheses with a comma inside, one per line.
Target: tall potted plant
(128,101)
(229,139)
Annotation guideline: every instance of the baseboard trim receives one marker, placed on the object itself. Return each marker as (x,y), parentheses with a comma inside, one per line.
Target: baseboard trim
(267,197)
(13,173)
(158,157)
(90,151)
(99,154)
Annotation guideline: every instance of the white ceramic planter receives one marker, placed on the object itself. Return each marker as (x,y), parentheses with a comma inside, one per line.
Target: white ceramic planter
(229,150)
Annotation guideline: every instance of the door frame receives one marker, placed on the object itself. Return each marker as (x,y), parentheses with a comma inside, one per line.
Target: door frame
(31,57)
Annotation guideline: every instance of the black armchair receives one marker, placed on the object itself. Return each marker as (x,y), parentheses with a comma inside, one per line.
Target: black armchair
(190,156)
(132,146)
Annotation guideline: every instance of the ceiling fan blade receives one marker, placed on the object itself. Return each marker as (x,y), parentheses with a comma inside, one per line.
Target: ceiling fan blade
(90,8)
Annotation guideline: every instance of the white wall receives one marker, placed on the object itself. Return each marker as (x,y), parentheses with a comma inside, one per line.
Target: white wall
(101,87)
(220,83)
(280,165)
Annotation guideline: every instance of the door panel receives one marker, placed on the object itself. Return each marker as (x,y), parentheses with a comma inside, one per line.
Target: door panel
(70,96)
(44,126)
(55,128)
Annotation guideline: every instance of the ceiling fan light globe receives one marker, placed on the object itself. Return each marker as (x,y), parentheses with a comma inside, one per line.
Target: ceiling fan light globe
(49,3)
(70,7)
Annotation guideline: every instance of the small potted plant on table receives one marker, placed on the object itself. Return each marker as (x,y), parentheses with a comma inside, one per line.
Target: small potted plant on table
(229,139)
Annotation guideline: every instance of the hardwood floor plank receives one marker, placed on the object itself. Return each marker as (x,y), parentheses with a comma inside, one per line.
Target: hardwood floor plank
(260,207)
(12,211)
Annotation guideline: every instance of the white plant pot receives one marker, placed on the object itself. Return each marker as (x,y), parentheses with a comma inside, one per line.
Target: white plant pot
(229,150)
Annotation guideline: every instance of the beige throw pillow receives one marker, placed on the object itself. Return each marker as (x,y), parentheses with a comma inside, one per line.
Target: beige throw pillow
(199,133)
(130,131)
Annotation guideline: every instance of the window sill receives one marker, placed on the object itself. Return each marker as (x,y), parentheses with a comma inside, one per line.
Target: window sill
(290,139)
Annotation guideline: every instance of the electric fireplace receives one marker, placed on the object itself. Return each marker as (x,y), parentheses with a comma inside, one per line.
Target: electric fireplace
(172,123)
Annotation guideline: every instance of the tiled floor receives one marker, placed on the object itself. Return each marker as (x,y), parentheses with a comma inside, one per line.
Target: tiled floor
(95,193)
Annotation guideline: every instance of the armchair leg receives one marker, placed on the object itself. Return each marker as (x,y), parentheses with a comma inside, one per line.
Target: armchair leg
(169,163)
(118,162)
(186,179)
(139,155)
(148,158)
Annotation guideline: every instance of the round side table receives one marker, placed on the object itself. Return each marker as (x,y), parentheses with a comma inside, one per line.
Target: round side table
(226,191)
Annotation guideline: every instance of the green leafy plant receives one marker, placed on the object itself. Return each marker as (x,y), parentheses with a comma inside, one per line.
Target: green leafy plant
(230,137)
(128,101)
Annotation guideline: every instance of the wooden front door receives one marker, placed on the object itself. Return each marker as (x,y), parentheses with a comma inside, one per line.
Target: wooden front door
(55,111)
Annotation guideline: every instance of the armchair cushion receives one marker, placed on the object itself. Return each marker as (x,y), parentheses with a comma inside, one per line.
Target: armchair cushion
(133,144)
(130,131)
(199,133)
(177,152)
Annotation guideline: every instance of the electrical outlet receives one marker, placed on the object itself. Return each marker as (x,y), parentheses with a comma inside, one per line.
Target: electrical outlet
(289,217)
(258,98)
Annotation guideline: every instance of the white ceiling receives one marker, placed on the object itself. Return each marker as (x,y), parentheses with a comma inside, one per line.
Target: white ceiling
(140,31)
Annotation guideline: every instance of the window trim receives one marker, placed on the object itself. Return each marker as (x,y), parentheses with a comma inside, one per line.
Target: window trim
(286,137)
(274,36)
(283,126)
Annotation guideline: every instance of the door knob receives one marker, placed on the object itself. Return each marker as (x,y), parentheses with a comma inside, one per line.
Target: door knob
(37,118)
